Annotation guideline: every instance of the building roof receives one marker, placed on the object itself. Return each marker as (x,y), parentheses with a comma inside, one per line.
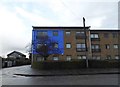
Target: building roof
(71,27)
(60,27)
(17,53)
(105,30)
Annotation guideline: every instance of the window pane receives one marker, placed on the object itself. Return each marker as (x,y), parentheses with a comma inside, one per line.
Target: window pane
(115,46)
(78,46)
(83,45)
(92,47)
(96,35)
(117,57)
(55,58)
(78,32)
(96,46)
(68,45)
(67,32)
(68,58)
(115,35)
(107,46)
(79,57)
(92,36)
(56,45)
(83,57)
(55,33)
(39,45)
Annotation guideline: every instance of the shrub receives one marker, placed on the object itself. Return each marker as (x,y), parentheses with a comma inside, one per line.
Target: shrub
(75,64)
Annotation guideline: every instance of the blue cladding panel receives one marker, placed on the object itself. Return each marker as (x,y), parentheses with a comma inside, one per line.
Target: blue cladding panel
(59,39)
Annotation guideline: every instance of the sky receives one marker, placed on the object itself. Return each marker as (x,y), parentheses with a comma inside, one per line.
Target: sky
(18,16)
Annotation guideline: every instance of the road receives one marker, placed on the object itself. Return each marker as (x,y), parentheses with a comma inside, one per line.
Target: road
(8,78)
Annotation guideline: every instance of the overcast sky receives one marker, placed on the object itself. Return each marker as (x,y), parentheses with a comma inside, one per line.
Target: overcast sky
(18,16)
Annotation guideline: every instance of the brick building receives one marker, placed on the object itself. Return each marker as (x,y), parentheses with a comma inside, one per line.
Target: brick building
(78,43)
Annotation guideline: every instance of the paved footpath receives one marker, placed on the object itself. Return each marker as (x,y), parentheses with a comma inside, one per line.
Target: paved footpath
(25,75)
(28,71)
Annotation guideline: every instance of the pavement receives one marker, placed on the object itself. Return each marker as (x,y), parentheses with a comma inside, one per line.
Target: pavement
(28,71)
(25,75)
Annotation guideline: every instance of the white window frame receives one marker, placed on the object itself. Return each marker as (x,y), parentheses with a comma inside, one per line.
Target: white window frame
(55,58)
(117,57)
(68,45)
(115,46)
(81,57)
(56,45)
(68,58)
(96,57)
(55,33)
(94,35)
(81,45)
(95,46)
(107,46)
(68,33)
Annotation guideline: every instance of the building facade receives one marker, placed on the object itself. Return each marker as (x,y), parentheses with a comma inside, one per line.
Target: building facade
(77,43)
(15,55)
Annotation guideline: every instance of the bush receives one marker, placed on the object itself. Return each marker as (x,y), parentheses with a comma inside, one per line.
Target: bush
(75,64)
(103,63)
(59,64)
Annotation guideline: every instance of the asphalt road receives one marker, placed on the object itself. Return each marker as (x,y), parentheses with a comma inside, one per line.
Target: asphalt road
(8,78)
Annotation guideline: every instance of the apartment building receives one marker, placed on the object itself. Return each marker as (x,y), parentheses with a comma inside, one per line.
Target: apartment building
(75,43)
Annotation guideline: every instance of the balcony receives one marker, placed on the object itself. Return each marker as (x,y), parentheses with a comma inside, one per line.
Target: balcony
(80,36)
(42,36)
(95,39)
(80,49)
(96,50)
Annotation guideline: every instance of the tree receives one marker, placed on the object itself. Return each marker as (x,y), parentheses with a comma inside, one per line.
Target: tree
(47,46)
(29,50)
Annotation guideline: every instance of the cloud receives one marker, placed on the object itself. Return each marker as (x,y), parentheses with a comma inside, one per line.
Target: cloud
(12,32)
(18,17)
(36,19)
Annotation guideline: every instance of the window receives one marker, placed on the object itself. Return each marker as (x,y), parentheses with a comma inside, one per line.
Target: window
(68,45)
(55,58)
(96,57)
(81,47)
(115,35)
(56,45)
(80,35)
(67,33)
(79,32)
(81,56)
(115,46)
(108,57)
(39,45)
(68,58)
(41,34)
(107,46)
(94,36)
(55,33)
(106,35)
(117,57)
(39,58)
(95,48)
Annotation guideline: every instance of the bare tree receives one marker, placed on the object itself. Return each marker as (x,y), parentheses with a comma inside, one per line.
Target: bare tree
(29,50)
(46,46)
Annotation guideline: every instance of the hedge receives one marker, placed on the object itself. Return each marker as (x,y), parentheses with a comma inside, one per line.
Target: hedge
(76,64)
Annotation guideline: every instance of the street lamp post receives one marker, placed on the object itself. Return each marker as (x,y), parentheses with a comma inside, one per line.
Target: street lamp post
(85,42)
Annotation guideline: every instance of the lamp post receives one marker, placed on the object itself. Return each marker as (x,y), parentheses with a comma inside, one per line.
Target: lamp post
(85,42)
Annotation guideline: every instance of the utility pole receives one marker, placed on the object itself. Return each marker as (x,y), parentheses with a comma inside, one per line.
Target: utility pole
(85,42)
